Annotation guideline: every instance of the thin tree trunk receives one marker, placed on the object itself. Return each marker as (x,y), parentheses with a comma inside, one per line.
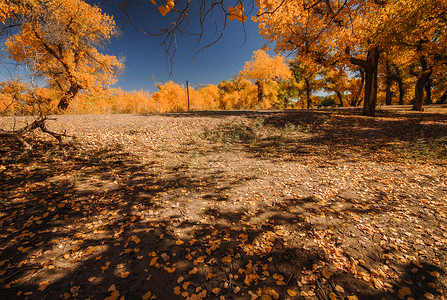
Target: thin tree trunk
(427,88)
(388,93)
(260,91)
(389,82)
(356,95)
(340,98)
(401,90)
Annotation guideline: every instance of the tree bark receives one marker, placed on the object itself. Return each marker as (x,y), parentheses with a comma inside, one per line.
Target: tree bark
(260,91)
(442,99)
(370,66)
(388,93)
(68,96)
(400,82)
(422,78)
(308,99)
(354,101)
(427,88)
(340,98)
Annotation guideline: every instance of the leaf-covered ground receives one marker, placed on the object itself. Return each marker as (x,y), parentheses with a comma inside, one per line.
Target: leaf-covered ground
(229,205)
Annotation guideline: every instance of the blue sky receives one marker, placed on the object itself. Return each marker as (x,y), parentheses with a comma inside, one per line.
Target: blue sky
(145,58)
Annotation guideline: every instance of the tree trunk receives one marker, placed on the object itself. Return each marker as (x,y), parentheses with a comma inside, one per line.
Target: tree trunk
(389,83)
(308,99)
(354,101)
(388,93)
(370,66)
(427,87)
(443,98)
(340,98)
(260,91)
(422,78)
(68,96)
(401,90)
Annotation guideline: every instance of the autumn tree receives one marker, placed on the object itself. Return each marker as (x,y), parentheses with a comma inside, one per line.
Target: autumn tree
(59,41)
(262,69)
(305,73)
(338,81)
(416,28)
(326,31)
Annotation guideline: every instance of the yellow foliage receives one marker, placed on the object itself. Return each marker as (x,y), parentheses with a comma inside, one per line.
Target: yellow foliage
(58,39)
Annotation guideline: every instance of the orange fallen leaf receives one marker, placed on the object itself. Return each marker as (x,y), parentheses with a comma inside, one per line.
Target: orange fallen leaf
(291,293)
(405,291)
(185,285)
(105,267)
(43,285)
(113,296)
(179,242)
(135,239)
(124,274)
(193,271)
(177,290)
(226,259)
(216,290)
(153,261)
(327,274)
(332,296)
(146,296)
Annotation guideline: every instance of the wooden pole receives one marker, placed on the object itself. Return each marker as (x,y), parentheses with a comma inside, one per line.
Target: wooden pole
(187,91)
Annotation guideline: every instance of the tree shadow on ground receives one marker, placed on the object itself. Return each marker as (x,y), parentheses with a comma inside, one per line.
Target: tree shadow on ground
(93,224)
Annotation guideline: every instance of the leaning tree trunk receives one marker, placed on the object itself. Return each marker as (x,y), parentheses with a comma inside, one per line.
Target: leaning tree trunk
(355,96)
(443,98)
(68,96)
(423,77)
(370,66)
(340,98)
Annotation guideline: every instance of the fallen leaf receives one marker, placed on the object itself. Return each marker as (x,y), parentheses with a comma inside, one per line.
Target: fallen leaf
(226,259)
(179,242)
(177,290)
(124,274)
(153,261)
(216,290)
(43,285)
(147,296)
(434,274)
(92,279)
(332,296)
(291,293)
(185,285)
(339,289)
(327,274)
(135,239)
(405,291)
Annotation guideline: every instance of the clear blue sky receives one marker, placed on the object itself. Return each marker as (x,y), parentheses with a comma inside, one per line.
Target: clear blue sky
(145,56)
